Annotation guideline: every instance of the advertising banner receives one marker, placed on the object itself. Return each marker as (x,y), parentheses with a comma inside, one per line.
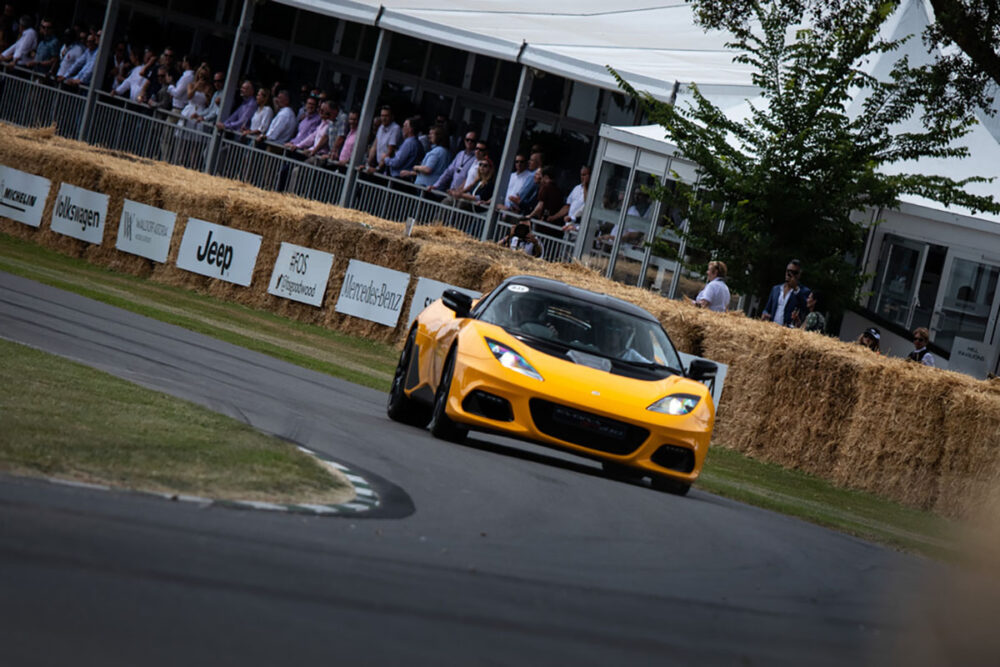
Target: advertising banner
(373,293)
(218,252)
(300,274)
(80,213)
(145,231)
(969,356)
(714,386)
(23,196)
(428,291)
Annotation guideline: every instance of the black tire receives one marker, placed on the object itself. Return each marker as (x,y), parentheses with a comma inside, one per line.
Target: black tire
(441,425)
(670,485)
(400,407)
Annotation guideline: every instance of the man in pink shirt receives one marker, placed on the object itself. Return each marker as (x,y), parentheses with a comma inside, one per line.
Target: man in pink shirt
(350,139)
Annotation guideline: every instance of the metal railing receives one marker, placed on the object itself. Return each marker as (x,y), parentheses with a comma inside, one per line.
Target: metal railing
(399,200)
(270,167)
(30,100)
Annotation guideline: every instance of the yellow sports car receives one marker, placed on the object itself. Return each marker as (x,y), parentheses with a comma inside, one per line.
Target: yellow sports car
(563,367)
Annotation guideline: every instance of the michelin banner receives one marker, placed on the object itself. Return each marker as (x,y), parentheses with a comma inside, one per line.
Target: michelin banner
(300,274)
(373,293)
(80,213)
(145,231)
(23,196)
(428,291)
(218,252)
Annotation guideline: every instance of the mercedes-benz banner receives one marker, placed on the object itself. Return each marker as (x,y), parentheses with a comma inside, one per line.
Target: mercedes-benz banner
(428,291)
(300,274)
(373,292)
(23,196)
(145,230)
(219,252)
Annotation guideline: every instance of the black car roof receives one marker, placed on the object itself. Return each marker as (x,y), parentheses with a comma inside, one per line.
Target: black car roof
(558,287)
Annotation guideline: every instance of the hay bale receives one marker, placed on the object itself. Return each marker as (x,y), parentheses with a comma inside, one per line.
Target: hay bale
(928,438)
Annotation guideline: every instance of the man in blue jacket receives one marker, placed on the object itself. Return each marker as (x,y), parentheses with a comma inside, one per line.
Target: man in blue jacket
(787,301)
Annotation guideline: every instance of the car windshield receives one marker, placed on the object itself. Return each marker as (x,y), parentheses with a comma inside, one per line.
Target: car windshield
(576,324)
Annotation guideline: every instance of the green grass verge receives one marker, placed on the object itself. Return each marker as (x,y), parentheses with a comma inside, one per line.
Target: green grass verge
(64,419)
(726,472)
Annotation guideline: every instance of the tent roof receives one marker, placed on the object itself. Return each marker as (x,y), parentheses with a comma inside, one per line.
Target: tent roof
(651,44)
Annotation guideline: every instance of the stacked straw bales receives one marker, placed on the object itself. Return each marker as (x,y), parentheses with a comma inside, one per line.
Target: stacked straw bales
(924,437)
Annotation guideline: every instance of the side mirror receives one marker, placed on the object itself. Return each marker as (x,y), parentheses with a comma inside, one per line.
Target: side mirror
(457,301)
(702,369)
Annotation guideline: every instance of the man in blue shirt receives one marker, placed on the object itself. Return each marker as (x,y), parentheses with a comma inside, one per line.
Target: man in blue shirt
(83,69)
(401,159)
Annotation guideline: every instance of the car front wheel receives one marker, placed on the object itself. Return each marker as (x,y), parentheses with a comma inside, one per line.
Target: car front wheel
(441,425)
(670,485)
(401,407)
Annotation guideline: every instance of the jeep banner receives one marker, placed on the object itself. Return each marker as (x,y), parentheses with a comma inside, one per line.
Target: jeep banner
(218,252)
(23,196)
(373,293)
(300,274)
(145,231)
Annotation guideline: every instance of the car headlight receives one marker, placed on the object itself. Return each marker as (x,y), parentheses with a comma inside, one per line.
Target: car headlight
(675,404)
(508,358)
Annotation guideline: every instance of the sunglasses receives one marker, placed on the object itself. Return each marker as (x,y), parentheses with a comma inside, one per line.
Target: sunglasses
(470,141)
(791,273)
(920,339)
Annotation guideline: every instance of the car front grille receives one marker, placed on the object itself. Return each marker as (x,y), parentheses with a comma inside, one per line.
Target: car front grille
(585,428)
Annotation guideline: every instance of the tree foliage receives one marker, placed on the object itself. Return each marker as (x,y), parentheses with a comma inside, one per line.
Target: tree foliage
(792,179)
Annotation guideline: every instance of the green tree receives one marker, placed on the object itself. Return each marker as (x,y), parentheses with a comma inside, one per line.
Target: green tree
(793,178)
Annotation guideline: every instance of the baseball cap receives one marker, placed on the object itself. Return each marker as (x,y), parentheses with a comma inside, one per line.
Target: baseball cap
(873,332)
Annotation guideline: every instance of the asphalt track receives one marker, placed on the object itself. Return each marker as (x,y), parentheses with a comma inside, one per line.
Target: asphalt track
(490,553)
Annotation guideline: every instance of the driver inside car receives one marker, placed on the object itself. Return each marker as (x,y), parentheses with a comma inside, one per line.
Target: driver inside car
(528,315)
(618,343)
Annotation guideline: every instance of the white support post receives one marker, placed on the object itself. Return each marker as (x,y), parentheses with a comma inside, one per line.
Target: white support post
(97,75)
(514,130)
(367,114)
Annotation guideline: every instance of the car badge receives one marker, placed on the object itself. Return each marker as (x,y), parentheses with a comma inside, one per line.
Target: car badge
(595,393)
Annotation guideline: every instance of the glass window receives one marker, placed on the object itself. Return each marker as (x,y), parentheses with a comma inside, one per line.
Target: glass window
(507,78)
(483,71)
(896,282)
(666,245)
(621,110)
(967,303)
(274,19)
(316,31)
(446,65)
(199,8)
(547,92)
(583,102)
(605,214)
(406,54)
(930,282)
(634,231)
(351,40)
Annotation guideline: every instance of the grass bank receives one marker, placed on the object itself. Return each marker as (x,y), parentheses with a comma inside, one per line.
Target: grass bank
(141,439)
(726,472)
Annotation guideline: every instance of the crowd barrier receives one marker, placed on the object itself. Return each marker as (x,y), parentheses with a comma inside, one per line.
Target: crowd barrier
(29,100)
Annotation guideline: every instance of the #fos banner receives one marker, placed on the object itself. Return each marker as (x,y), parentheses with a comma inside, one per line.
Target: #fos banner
(300,274)
(80,213)
(429,291)
(218,252)
(145,231)
(23,196)
(373,293)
